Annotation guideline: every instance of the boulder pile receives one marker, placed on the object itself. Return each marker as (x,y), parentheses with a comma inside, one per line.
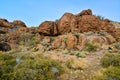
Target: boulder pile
(82,22)
(71,31)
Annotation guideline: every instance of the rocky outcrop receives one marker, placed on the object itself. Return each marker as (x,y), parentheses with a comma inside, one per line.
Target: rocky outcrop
(85,12)
(19,23)
(48,28)
(64,23)
(71,31)
(71,41)
(82,22)
(5,23)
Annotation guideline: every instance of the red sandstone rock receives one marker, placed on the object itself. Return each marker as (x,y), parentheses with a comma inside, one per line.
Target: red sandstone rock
(64,23)
(19,23)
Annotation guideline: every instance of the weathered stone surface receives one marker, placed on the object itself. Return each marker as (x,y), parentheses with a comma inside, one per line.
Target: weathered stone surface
(48,28)
(82,41)
(85,12)
(71,41)
(19,23)
(5,23)
(82,22)
(64,23)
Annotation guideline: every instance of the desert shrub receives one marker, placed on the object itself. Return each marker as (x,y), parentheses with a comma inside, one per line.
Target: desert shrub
(102,33)
(111,67)
(28,67)
(117,45)
(65,51)
(34,49)
(77,34)
(32,42)
(69,63)
(91,47)
(110,59)
(80,54)
(89,33)
(28,39)
(100,17)
(65,39)
(7,61)
(77,53)
(72,52)
(111,73)
(46,44)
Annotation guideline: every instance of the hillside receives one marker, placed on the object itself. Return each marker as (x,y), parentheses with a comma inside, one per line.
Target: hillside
(75,47)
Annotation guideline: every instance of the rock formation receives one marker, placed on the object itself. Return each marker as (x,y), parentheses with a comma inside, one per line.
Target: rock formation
(71,31)
(82,22)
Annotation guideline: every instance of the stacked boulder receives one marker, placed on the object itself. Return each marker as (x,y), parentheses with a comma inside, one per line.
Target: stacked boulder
(82,22)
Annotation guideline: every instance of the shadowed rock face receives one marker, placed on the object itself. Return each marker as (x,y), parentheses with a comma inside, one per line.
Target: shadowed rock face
(4,46)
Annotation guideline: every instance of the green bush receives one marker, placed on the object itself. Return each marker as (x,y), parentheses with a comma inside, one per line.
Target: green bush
(111,73)
(46,44)
(117,45)
(110,59)
(91,47)
(28,39)
(65,51)
(111,70)
(28,67)
(80,54)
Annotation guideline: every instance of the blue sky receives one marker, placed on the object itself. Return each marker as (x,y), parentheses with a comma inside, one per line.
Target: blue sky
(33,12)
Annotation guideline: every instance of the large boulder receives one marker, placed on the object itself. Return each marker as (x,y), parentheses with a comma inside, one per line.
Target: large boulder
(48,28)
(5,23)
(18,23)
(85,23)
(85,12)
(71,41)
(64,23)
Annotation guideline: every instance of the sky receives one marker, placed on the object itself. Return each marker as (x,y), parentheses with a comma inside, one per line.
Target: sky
(33,12)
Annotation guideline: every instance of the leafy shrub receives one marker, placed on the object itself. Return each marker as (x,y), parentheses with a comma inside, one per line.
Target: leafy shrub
(89,33)
(91,47)
(117,45)
(80,54)
(111,70)
(46,44)
(28,67)
(69,63)
(77,34)
(65,51)
(28,39)
(102,33)
(77,53)
(110,59)
(111,73)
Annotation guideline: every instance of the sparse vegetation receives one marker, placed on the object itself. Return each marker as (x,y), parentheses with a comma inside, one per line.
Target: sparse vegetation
(80,54)
(111,70)
(117,45)
(27,67)
(91,47)
(100,17)
(111,59)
